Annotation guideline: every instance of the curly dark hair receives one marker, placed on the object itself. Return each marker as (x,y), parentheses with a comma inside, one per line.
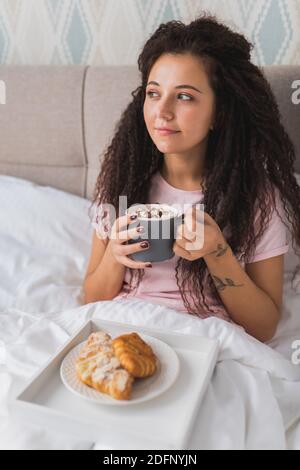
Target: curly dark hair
(249,152)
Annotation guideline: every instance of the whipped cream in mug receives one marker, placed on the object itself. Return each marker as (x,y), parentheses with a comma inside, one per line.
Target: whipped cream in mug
(153,211)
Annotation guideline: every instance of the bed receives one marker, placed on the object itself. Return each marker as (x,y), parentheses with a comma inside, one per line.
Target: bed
(55,124)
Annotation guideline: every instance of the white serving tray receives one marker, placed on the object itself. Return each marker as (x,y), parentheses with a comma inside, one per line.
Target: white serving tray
(164,422)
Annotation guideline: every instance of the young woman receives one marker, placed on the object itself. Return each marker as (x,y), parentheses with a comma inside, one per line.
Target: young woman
(227,150)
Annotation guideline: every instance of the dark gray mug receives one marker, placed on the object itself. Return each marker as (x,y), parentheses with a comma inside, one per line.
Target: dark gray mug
(160,234)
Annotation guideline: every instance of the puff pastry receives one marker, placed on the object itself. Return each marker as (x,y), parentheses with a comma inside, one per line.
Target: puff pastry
(135,355)
(98,367)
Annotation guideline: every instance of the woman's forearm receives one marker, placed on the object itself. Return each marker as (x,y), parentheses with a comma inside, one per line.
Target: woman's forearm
(106,281)
(246,303)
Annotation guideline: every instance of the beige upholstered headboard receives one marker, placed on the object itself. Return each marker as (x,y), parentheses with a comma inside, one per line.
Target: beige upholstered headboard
(58,120)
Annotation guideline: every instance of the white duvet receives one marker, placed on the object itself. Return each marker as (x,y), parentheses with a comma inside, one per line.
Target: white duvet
(253,399)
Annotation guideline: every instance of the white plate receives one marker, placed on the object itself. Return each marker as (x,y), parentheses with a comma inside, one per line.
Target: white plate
(142,390)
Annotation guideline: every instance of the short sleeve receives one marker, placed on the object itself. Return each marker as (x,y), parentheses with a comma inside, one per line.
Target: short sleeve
(100,220)
(274,241)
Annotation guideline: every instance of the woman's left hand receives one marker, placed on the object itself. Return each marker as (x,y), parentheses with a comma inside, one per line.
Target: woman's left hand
(198,236)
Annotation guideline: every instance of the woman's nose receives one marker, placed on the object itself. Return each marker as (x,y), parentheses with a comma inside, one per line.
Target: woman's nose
(165,107)
(165,112)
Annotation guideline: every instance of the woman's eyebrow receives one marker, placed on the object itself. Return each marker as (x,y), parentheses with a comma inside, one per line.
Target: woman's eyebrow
(178,86)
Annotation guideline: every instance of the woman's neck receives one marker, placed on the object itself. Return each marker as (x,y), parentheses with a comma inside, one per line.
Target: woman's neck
(185,180)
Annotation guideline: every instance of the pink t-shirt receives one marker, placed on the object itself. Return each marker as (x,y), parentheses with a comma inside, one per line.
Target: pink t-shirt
(159,283)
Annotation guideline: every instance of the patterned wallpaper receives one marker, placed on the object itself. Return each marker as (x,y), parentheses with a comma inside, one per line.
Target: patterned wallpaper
(112,32)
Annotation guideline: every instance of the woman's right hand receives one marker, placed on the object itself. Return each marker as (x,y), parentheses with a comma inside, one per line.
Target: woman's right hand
(120,249)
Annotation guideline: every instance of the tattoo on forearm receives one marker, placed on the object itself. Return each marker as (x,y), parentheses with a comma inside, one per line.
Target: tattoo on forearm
(221,285)
(220,251)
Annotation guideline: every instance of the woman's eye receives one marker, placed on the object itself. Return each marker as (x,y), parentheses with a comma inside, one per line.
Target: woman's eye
(189,98)
(186,96)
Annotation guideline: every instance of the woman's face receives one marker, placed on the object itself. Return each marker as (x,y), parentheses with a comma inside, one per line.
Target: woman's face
(189,111)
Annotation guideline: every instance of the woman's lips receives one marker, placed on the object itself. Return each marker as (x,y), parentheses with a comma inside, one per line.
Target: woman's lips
(164,132)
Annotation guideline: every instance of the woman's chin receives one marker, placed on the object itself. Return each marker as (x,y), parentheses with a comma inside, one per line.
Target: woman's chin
(166,147)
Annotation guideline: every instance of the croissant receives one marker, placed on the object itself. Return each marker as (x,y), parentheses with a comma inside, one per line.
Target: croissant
(98,367)
(135,355)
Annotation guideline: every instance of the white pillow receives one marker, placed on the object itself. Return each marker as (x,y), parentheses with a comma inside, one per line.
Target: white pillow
(45,240)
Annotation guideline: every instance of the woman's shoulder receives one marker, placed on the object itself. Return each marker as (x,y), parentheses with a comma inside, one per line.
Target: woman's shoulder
(273,200)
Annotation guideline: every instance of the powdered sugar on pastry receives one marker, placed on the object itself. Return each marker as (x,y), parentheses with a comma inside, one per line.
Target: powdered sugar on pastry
(98,367)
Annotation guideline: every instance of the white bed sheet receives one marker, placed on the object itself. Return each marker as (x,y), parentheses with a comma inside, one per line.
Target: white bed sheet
(253,400)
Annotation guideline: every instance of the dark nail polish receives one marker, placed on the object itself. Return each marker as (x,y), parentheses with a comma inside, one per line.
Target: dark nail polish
(145,245)
(133,216)
(149,265)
